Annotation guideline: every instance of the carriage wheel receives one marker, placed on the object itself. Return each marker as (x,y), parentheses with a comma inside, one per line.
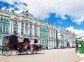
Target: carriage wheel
(18,53)
(6,51)
(21,52)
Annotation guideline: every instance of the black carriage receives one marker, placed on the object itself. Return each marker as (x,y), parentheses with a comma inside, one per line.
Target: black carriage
(12,44)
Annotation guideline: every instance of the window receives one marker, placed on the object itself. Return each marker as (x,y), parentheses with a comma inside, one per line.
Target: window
(22,23)
(26,28)
(1,19)
(4,19)
(15,27)
(36,32)
(1,27)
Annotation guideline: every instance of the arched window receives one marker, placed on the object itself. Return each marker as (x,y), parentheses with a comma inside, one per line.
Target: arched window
(15,27)
(1,28)
(4,19)
(1,19)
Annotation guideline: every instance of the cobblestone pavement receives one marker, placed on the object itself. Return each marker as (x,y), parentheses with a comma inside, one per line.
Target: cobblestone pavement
(58,55)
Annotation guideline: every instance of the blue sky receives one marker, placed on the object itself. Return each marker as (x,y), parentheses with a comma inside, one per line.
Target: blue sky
(68,14)
(58,21)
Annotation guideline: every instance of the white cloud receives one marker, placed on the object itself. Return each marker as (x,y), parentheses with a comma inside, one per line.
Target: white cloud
(79,33)
(79,21)
(41,9)
(9,1)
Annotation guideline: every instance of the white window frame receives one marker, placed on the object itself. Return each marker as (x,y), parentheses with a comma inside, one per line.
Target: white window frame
(2,17)
(2,28)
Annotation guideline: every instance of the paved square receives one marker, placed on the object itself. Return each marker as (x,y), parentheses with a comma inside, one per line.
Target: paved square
(58,55)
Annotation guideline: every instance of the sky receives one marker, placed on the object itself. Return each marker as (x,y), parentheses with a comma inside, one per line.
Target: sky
(68,14)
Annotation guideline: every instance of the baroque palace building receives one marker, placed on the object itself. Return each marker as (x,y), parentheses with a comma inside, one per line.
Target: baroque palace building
(24,25)
(66,38)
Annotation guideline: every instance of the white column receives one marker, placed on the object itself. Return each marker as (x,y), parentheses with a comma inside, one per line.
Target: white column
(38,31)
(10,26)
(53,44)
(50,33)
(19,27)
(59,37)
(71,43)
(0,41)
(33,30)
(50,44)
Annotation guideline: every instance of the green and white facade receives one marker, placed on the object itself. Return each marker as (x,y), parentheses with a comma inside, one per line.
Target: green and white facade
(66,38)
(26,26)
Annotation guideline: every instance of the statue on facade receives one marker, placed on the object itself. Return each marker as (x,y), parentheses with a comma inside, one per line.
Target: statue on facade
(24,7)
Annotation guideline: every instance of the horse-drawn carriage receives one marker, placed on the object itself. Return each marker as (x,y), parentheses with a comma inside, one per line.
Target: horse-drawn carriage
(12,44)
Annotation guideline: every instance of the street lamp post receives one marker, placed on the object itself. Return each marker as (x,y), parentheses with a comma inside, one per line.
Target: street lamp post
(56,40)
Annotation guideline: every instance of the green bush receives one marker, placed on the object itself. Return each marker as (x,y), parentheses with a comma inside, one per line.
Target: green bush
(81,49)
